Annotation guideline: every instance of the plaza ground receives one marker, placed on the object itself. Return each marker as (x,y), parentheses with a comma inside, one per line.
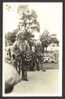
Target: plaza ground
(39,83)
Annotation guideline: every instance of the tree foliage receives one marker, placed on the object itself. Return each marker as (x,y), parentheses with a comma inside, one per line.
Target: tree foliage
(21,9)
(10,37)
(27,25)
(54,39)
(45,39)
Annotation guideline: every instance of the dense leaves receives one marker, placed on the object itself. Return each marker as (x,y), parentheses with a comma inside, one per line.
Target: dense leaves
(10,37)
(45,39)
(27,25)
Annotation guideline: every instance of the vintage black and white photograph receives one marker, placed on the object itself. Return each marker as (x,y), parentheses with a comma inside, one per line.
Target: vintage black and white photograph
(32,49)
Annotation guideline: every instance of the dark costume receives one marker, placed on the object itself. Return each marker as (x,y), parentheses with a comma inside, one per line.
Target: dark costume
(36,58)
(26,63)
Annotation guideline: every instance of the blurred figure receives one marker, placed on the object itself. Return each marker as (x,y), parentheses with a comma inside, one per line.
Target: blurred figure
(16,57)
(24,66)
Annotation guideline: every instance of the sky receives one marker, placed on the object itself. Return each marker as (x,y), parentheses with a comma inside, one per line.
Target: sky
(49,17)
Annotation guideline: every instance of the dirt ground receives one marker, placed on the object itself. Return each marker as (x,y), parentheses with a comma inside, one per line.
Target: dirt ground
(39,84)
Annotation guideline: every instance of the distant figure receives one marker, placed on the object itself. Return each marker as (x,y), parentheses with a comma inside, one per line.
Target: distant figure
(26,57)
(36,58)
(24,66)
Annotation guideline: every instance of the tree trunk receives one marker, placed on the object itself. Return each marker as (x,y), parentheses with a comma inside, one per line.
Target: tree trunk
(43,50)
(46,49)
(31,48)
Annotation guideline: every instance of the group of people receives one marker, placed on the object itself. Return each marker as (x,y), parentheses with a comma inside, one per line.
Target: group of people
(26,60)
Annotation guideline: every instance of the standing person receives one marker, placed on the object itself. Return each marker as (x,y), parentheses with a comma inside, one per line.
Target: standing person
(24,66)
(42,61)
(27,62)
(36,57)
(36,61)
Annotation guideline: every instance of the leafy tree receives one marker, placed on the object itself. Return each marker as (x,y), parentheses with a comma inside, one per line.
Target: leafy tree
(45,39)
(10,37)
(21,9)
(54,39)
(27,25)
(38,46)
